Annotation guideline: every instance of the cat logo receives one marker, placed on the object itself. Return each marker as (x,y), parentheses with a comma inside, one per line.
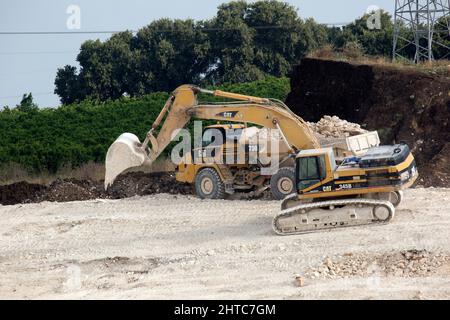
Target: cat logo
(326,188)
(227,114)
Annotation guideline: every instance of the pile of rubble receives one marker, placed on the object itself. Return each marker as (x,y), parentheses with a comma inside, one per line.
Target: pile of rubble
(140,184)
(408,263)
(70,190)
(333,127)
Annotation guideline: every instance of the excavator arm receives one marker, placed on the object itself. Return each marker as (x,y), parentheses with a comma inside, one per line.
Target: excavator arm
(127,151)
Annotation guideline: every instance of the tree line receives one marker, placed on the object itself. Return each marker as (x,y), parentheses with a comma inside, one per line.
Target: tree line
(243,42)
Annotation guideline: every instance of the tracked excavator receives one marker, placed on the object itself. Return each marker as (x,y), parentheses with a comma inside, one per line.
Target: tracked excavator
(359,191)
(323,187)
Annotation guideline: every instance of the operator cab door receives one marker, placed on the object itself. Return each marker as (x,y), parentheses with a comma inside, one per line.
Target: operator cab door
(310,171)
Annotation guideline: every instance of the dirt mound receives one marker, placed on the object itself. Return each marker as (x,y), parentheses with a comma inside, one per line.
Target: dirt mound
(407,263)
(71,190)
(333,127)
(20,192)
(127,185)
(137,183)
(438,172)
(402,105)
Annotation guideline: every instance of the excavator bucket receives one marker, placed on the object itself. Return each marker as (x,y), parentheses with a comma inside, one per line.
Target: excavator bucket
(126,152)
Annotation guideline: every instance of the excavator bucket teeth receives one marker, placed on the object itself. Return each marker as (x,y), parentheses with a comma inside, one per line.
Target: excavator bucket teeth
(126,152)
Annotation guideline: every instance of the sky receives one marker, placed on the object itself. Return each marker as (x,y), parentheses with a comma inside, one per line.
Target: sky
(28,63)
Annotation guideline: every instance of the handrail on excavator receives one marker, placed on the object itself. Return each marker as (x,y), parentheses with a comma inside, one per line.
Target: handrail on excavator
(236,96)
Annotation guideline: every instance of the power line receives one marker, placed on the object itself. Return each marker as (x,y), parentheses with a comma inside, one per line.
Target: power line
(35,52)
(162,30)
(55,32)
(113,32)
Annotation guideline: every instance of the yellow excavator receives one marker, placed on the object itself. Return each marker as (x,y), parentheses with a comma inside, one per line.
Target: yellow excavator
(360,190)
(320,192)
(213,179)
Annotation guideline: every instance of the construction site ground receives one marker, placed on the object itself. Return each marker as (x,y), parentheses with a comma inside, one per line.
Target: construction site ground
(163,246)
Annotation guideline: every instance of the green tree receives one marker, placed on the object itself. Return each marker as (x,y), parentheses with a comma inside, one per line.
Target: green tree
(276,42)
(262,38)
(372,41)
(27,104)
(232,41)
(442,36)
(312,37)
(68,85)
(105,67)
(169,53)
(243,42)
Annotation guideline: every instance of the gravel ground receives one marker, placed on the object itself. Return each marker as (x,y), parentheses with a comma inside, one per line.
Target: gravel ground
(167,246)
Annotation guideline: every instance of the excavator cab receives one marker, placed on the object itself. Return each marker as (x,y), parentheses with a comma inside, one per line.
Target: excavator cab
(313,167)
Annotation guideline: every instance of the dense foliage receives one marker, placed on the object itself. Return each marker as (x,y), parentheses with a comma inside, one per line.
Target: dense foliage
(44,140)
(243,42)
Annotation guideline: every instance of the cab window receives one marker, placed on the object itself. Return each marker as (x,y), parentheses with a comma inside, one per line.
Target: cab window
(311,170)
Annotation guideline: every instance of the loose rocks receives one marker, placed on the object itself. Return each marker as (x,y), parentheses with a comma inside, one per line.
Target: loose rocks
(407,263)
(333,127)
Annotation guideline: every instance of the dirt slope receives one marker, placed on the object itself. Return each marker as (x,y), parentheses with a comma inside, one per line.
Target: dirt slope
(173,246)
(402,104)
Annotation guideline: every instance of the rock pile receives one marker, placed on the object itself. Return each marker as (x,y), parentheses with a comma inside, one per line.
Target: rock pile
(70,190)
(407,263)
(140,184)
(334,127)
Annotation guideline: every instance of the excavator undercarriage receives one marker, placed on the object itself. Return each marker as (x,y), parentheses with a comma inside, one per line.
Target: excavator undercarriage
(315,216)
